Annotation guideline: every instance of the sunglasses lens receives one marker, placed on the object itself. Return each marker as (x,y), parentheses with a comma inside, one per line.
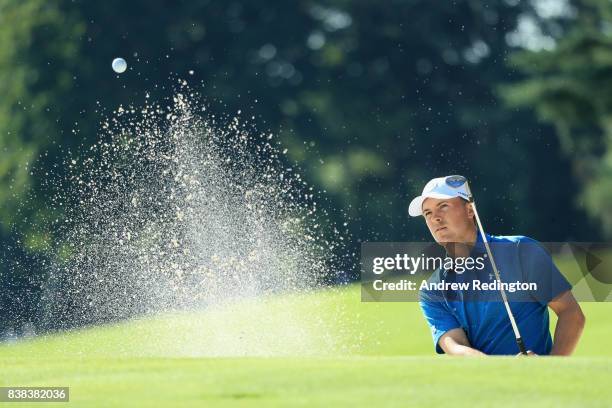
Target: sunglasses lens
(455,181)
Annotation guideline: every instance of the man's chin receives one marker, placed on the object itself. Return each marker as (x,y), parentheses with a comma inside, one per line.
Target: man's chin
(443,239)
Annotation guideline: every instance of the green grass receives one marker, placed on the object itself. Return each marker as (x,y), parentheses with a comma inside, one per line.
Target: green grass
(322,349)
(354,381)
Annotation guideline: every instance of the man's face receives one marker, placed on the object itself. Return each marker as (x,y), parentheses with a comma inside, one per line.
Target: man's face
(449,219)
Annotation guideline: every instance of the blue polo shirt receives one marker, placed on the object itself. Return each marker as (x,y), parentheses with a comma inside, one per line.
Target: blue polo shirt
(482,314)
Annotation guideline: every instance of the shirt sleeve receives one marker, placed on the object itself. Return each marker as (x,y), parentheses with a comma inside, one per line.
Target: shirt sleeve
(539,268)
(438,317)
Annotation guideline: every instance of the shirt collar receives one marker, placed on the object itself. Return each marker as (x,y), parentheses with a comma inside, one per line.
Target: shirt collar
(479,246)
(478,249)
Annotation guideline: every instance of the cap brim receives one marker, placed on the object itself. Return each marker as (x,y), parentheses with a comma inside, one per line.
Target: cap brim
(415,208)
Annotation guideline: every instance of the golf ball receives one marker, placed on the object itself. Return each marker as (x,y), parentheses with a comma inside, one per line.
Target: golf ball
(119,65)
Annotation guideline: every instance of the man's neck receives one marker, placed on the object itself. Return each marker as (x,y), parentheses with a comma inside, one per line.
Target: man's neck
(463,248)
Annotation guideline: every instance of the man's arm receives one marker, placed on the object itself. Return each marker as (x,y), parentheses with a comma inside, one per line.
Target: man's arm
(455,343)
(570,323)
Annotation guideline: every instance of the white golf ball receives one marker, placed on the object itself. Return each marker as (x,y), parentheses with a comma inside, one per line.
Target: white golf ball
(119,65)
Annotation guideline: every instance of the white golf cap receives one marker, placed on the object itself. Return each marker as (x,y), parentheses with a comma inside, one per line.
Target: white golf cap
(441,187)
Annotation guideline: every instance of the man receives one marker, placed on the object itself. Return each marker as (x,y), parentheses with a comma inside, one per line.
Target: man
(471,323)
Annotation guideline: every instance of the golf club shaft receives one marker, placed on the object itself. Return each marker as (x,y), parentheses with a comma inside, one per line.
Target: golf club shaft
(517,334)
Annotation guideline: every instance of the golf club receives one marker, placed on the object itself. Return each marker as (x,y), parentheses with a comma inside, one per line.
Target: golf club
(458,181)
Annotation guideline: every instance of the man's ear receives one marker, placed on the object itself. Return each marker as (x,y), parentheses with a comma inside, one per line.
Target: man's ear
(470,210)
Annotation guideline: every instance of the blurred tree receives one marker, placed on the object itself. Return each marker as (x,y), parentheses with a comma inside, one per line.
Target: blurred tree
(570,86)
(401,93)
(38,50)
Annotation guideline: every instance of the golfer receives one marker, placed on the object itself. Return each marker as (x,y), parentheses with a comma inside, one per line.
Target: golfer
(472,322)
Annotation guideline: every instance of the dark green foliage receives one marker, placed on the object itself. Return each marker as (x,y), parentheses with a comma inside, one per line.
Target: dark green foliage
(570,87)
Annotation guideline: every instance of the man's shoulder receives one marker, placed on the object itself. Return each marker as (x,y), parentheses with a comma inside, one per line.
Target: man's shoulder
(511,239)
(526,247)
